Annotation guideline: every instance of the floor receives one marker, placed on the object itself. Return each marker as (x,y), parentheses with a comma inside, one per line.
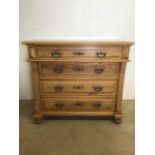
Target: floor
(76,136)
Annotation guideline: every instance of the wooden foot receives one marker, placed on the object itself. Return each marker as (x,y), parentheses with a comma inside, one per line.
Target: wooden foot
(37,118)
(37,121)
(118,118)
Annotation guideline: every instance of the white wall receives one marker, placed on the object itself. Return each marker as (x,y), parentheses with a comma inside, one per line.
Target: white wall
(75,20)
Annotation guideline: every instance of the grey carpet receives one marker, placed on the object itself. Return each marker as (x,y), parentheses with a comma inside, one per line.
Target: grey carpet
(76,137)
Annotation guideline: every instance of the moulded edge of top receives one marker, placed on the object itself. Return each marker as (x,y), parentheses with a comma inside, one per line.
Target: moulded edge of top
(80,43)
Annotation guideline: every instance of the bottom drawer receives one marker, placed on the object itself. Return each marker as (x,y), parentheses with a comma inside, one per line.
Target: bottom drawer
(78,104)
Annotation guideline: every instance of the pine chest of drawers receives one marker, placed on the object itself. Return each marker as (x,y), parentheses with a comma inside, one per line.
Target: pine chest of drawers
(78,78)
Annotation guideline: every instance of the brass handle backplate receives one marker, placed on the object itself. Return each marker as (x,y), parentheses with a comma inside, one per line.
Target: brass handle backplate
(56,54)
(58,88)
(99,70)
(98,88)
(101,54)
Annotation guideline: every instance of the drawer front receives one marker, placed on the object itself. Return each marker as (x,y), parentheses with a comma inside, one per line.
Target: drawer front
(78,104)
(81,86)
(62,70)
(95,53)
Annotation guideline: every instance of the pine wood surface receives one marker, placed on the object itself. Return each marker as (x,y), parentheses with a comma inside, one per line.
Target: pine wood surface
(75,43)
(78,78)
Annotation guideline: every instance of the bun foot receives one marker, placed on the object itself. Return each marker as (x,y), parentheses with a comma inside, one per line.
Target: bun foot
(118,118)
(37,121)
(118,121)
(37,118)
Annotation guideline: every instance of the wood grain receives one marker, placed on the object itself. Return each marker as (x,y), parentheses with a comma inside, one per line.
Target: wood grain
(76,86)
(78,104)
(78,78)
(36,86)
(77,113)
(76,60)
(77,43)
(118,112)
(68,52)
(55,70)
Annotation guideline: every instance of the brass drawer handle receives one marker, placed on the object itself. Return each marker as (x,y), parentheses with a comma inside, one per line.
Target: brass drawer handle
(78,87)
(78,53)
(79,104)
(59,105)
(98,88)
(96,105)
(58,69)
(56,54)
(101,54)
(58,88)
(99,70)
(78,68)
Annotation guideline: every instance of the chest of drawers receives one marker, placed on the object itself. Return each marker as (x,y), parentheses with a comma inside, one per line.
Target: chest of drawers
(78,78)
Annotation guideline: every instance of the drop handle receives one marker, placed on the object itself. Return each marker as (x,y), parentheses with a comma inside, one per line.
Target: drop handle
(101,54)
(99,70)
(59,105)
(58,69)
(98,88)
(58,88)
(56,54)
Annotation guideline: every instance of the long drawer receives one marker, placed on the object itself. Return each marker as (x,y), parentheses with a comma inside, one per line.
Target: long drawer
(78,104)
(55,70)
(82,53)
(78,86)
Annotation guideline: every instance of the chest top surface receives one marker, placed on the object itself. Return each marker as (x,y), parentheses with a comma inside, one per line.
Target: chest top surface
(78,43)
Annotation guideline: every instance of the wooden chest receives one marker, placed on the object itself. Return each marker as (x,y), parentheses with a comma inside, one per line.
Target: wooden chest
(78,78)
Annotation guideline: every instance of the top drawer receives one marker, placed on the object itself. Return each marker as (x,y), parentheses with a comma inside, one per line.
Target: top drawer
(82,53)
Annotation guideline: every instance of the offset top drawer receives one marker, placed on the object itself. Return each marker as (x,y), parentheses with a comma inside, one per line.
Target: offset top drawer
(82,53)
